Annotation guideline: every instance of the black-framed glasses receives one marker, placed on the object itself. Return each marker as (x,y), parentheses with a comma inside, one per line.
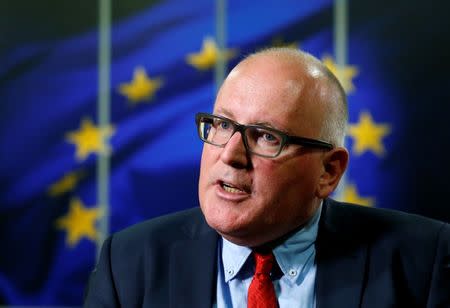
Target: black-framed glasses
(259,140)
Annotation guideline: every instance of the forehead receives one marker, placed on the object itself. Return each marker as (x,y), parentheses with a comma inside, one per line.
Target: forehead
(267,90)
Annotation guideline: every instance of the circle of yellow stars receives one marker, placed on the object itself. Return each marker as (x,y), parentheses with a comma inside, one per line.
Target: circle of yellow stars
(80,221)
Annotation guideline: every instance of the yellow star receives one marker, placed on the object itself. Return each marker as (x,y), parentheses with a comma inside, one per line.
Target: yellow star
(79,222)
(279,42)
(345,74)
(141,88)
(90,139)
(207,57)
(65,184)
(350,194)
(367,135)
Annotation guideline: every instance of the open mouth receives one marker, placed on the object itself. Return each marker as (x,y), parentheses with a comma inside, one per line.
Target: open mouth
(230,188)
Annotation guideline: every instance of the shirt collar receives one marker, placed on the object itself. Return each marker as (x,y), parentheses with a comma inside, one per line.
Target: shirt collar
(292,255)
(233,258)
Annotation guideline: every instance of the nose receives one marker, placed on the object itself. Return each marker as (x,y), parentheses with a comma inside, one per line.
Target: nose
(234,152)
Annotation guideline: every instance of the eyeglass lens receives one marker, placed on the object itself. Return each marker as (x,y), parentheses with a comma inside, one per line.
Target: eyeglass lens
(259,140)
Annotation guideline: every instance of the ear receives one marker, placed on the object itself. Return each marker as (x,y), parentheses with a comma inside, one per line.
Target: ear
(334,165)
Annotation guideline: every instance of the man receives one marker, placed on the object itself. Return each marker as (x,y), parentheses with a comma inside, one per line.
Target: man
(272,155)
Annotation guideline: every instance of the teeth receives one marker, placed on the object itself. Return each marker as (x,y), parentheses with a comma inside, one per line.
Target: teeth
(231,189)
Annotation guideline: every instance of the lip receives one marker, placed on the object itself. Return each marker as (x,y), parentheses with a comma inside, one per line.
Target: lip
(223,194)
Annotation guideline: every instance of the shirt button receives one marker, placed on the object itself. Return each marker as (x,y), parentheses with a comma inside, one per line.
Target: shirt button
(292,272)
(230,272)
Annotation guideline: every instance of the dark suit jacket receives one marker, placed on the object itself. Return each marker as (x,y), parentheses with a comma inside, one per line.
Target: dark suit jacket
(365,258)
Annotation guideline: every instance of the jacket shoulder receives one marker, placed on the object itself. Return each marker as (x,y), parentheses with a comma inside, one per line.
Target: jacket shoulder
(352,217)
(366,216)
(135,261)
(162,229)
(406,255)
(141,252)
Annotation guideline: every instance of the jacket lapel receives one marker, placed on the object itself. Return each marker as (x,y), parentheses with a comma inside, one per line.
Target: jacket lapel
(193,269)
(341,260)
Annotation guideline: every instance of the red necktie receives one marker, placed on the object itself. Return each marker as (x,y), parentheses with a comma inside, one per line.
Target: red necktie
(261,293)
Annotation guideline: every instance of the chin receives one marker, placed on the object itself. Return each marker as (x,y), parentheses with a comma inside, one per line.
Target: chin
(225,222)
(247,241)
(237,232)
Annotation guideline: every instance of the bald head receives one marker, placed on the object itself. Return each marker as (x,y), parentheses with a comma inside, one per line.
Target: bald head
(307,78)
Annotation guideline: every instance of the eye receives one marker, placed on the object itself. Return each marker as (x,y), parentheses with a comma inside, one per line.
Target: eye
(269,137)
(224,125)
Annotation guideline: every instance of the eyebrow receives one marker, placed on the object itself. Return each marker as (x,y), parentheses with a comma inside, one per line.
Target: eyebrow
(229,114)
(225,112)
(267,124)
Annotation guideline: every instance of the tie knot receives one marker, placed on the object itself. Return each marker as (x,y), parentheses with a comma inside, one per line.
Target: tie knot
(264,262)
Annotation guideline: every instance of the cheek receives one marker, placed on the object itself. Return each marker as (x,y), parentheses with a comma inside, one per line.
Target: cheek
(289,180)
(209,156)
(205,166)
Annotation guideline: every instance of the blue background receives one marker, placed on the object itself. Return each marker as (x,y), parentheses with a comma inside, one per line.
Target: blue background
(49,81)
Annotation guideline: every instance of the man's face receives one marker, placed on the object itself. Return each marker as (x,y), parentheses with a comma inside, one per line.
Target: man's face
(249,199)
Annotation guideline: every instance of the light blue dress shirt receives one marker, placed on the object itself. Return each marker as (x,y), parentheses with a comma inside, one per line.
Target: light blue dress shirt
(294,285)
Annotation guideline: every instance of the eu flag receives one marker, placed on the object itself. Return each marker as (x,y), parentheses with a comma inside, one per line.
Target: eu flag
(163,55)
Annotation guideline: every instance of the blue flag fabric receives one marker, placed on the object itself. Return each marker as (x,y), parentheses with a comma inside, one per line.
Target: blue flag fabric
(161,75)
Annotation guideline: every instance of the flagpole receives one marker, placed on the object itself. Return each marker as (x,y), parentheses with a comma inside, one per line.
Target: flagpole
(104,60)
(340,53)
(220,67)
